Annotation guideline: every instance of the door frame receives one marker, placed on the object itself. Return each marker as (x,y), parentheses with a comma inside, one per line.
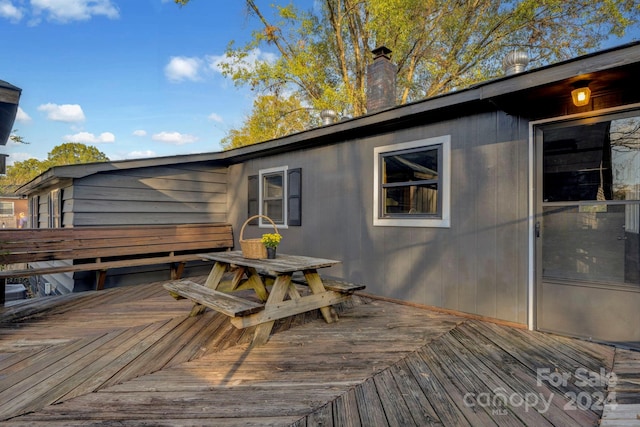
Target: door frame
(534,173)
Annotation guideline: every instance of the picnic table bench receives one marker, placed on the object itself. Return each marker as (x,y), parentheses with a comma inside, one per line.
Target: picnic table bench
(101,248)
(257,274)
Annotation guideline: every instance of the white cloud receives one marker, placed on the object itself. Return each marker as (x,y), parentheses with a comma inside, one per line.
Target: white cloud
(182,68)
(18,157)
(140,154)
(89,138)
(64,11)
(69,113)
(175,138)
(9,11)
(249,62)
(215,118)
(139,132)
(22,117)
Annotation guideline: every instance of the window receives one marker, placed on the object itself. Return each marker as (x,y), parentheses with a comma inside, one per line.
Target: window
(276,193)
(411,183)
(272,191)
(6,208)
(34,211)
(55,209)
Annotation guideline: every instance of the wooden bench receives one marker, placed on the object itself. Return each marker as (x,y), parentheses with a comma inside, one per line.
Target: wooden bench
(340,286)
(233,306)
(223,302)
(101,248)
(333,285)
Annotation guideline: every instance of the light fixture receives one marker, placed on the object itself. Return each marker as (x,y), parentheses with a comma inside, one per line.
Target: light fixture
(581,94)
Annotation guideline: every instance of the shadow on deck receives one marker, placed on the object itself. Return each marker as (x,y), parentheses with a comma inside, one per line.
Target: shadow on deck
(132,356)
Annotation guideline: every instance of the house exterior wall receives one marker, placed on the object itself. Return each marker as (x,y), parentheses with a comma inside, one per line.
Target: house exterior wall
(177,194)
(478,265)
(157,195)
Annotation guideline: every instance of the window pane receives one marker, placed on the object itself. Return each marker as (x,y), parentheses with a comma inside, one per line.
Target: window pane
(596,161)
(273,209)
(411,166)
(625,158)
(273,196)
(593,245)
(6,208)
(411,199)
(273,186)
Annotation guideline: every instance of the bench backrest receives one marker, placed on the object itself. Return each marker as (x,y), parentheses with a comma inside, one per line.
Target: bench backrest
(45,244)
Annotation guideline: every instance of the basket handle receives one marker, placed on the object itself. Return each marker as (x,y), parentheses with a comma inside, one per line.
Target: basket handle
(254,217)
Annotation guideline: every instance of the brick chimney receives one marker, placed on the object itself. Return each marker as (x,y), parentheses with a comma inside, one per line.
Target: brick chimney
(381,81)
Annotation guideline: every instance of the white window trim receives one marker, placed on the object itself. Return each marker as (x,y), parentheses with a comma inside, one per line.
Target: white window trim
(55,208)
(445,221)
(263,223)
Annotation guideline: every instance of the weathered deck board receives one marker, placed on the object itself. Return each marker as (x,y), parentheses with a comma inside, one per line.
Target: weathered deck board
(445,407)
(113,359)
(345,410)
(369,405)
(623,401)
(516,378)
(419,406)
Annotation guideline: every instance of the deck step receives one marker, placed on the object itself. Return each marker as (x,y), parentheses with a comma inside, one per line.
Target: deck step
(230,305)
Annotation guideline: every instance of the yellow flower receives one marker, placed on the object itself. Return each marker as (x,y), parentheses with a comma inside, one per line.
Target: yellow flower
(271,240)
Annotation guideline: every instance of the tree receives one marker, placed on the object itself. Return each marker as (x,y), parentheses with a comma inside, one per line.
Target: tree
(438,45)
(17,139)
(272,117)
(71,153)
(20,173)
(68,153)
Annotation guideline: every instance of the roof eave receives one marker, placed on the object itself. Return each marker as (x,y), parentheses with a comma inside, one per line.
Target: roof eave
(477,96)
(572,69)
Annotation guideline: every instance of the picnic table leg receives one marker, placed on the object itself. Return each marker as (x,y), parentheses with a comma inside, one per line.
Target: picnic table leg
(215,275)
(177,268)
(253,281)
(315,284)
(213,280)
(256,283)
(278,292)
(101,276)
(237,277)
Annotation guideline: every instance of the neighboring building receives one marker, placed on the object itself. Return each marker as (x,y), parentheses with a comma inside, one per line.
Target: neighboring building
(171,190)
(13,212)
(504,200)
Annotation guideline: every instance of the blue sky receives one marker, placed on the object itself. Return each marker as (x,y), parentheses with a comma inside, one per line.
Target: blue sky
(134,78)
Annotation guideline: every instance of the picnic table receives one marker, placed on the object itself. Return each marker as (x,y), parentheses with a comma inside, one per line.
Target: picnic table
(260,275)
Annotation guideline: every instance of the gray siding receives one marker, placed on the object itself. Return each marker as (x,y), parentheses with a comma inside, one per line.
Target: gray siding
(478,265)
(178,194)
(155,195)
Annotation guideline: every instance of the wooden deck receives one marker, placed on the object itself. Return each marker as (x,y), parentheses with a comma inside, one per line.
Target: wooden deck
(132,356)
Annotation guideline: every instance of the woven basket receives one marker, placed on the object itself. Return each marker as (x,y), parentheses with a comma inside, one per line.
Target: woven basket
(254,248)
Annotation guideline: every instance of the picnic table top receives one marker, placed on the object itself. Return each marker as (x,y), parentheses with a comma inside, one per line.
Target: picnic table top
(283,263)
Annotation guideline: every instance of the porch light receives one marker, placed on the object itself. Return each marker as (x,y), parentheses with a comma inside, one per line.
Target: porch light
(581,94)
